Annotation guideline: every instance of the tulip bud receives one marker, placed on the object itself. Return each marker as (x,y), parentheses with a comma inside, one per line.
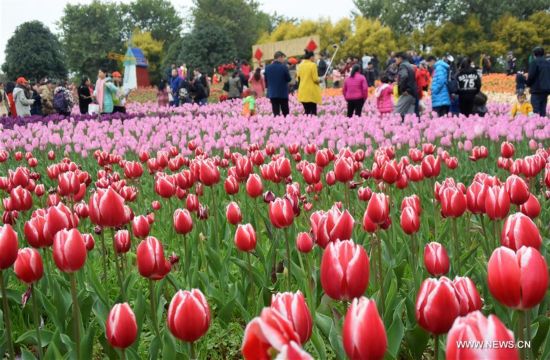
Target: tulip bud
(437,305)
(468,296)
(88,241)
(409,221)
(183,222)
(378,208)
(28,266)
(294,307)
(254,186)
(141,226)
(436,259)
(363,333)
(122,241)
(150,259)
(531,207)
(69,250)
(518,231)
(121,327)
(304,242)
(245,238)
(186,305)
(233,213)
(281,213)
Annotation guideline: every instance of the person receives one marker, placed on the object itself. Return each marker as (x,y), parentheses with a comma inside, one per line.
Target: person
(365,60)
(257,82)
(249,103)
(22,97)
(370,74)
(469,84)
(538,81)
(441,100)
(162,94)
(336,78)
(521,82)
(84,95)
(3,101)
(200,88)
(486,63)
(168,73)
(309,91)
(355,91)
(511,64)
(480,104)
(175,84)
(62,99)
(36,107)
(119,100)
(235,86)
(277,78)
(406,85)
(522,106)
(46,94)
(10,105)
(322,68)
(104,92)
(245,70)
(384,94)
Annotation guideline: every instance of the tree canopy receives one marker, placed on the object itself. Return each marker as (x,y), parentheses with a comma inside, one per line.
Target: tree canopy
(34,52)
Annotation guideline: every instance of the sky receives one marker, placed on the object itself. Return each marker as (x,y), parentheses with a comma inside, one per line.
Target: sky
(16,12)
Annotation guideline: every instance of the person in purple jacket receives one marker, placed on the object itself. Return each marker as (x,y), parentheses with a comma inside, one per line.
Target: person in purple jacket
(356,91)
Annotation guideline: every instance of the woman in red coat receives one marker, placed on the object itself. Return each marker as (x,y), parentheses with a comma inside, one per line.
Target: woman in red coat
(422,79)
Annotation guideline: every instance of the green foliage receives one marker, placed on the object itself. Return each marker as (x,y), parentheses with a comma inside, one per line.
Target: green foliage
(369,36)
(89,33)
(516,35)
(241,21)
(34,52)
(224,341)
(155,16)
(207,47)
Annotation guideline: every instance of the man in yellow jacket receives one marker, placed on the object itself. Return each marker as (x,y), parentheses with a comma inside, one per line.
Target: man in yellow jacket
(309,91)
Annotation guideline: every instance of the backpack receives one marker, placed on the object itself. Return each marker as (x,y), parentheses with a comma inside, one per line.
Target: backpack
(452,84)
(60,102)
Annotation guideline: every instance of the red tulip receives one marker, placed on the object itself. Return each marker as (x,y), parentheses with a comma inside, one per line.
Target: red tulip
(468,296)
(330,178)
(436,259)
(281,213)
(68,184)
(21,199)
(254,186)
(28,266)
(188,315)
(437,305)
(519,230)
(121,327)
(412,201)
(294,351)
(343,169)
(378,208)
(531,207)
(141,226)
(107,209)
(165,186)
(497,202)
(51,155)
(410,221)
(453,202)
(431,166)
(69,250)
(20,177)
(332,225)
(133,169)
(475,197)
(283,167)
(208,172)
(507,150)
(293,306)
(363,333)
(245,238)
(40,190)
(364,193)
(311,173)
(517,279)
(344,270)
(34,232)
(271,330)
(304,242)
(150,259)
(231,185)
(243,167)
(183,222)
(517,189)
(88,241)
(59,217)
(122,241)
(233,213)
(428,148)
(390,172)
(477,328)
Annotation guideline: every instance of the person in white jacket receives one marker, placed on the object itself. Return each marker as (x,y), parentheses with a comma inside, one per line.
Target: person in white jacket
(21,99)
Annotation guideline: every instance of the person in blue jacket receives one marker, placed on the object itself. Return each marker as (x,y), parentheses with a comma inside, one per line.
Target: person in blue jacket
(175,82)
(277,78)
(441,100)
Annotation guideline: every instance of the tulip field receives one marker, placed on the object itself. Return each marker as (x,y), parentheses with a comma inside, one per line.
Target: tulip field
(197,233)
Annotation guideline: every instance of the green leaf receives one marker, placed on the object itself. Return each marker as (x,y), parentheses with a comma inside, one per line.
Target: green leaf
(154,348)
(26,355)
(541,335)
(29,337)
(417,340)
(87,343)
(395,335)
(319,345)
(169,346)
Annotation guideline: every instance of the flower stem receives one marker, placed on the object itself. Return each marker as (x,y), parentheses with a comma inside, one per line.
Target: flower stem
(104,253)
(6,315)
(288,260)
(192,351)
(380,274)
(153,307)
(187,259)
(36,321)
(456,246)
(436,347)
(76,315)
(122,354)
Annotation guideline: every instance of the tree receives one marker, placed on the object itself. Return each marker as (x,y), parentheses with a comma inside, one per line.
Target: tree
(152,49)
(89,33)
(157,17)
(207,47)
(517,36)
(241,20)
(370,37)
(34,52)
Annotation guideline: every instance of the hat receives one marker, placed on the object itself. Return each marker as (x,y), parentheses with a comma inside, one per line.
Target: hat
(450,58)
(21,80)
(116,74)
(279,54)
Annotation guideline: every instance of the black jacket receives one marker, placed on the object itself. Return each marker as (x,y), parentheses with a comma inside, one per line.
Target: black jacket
(539,76)
(322,67)
(406,81)
(469,82)
(199,88)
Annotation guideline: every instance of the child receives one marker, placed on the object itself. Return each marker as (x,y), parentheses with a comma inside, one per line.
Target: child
(522,107)
(249,103)
(383,94)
